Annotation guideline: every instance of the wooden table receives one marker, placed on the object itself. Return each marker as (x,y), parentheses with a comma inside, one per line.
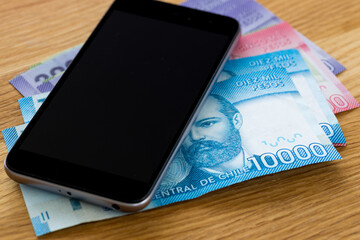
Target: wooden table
(314,202)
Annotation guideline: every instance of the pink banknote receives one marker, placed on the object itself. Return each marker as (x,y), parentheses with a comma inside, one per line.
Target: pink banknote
(281,37)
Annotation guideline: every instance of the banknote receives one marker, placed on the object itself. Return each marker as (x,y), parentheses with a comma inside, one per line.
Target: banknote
(45,86)
(281,37)
(252,17)
(28,83)
(48,84)
(245,129)
(292,61)
(30,105)
(12,134)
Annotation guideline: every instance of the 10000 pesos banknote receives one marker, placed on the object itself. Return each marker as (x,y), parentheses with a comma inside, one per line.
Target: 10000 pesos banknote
(241,132)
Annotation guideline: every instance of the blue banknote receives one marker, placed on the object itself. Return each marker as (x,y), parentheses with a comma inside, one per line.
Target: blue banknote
(250,125)
(292,61)
(252,16)
(12,134)
(30,105)
(32,81)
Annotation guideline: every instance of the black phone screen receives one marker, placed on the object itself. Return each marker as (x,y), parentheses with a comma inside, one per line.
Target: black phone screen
(126,98)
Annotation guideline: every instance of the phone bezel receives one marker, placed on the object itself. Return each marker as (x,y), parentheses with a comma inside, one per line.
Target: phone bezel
(120,189)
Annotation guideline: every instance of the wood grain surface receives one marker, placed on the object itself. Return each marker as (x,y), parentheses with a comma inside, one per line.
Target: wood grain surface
(314,202)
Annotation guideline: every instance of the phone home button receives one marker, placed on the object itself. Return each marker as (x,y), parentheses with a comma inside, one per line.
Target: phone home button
(115,206)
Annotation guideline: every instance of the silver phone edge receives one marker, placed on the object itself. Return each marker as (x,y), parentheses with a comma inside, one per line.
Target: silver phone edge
(107,202)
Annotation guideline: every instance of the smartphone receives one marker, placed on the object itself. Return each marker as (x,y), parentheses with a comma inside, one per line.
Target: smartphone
(116,118)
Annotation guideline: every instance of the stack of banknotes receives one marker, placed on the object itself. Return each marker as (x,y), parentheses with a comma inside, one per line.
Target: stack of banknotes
(278,94)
